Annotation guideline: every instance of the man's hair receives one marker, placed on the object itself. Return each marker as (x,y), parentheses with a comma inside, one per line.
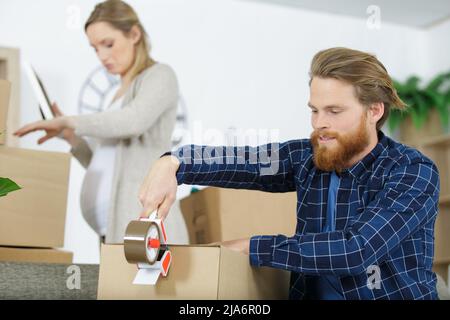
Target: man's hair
(364,71)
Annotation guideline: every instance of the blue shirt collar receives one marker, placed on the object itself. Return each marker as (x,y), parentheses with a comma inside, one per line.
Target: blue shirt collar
(364,166)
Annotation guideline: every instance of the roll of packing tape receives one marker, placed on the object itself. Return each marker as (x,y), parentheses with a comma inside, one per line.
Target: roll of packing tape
(142,242)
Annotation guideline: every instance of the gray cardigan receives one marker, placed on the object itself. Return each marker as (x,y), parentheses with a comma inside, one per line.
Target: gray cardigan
(144,128)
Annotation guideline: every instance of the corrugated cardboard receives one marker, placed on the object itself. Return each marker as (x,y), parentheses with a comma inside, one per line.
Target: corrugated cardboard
(197,272)
(35,255)
(35,215)
(442,269)
(10,71)
(215,214)
(5,89)
(442,236)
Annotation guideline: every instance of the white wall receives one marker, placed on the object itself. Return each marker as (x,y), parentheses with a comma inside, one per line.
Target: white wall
(240,64)
(437,45)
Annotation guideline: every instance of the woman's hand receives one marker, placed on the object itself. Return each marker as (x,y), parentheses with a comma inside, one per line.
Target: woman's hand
(159,190)
(60,126)
(67,133)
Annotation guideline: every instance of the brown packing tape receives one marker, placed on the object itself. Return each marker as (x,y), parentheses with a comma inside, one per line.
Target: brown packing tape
(135,242)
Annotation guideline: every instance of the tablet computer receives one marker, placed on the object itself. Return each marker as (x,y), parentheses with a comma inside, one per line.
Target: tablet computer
(39,92)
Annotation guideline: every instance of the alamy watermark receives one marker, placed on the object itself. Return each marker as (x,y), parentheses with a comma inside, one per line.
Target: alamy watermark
(249,146)
(374,20)
(73,17)
(73,282)
(374,277)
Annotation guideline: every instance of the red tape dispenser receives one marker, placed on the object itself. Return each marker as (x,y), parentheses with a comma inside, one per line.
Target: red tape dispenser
(145,244)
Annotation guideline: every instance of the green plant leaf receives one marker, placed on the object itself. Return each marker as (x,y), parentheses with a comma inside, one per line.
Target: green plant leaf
(422,108)
(400,88)
(447,99)
(439,101)
(412,84)
(393,120)
(7,186)
(436,82)
(420,101)
(415,117)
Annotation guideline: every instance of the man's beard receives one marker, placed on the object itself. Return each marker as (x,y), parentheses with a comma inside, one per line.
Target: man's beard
(347,146)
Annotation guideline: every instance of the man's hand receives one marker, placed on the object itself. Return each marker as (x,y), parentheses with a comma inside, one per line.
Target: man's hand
(159,190)
(239,245)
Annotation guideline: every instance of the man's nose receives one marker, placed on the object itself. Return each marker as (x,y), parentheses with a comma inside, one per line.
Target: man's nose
(321,121)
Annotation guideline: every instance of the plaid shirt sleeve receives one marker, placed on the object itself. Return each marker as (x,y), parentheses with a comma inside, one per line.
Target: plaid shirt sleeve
(266,168)
(409,199)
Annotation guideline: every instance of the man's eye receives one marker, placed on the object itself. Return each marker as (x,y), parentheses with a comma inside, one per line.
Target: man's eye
(109,45)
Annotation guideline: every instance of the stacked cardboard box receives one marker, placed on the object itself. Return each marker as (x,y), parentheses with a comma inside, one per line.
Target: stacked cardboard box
(216,214)
(10,71)
(32,219)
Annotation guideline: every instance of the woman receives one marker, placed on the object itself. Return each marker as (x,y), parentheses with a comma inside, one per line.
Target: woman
(134,130)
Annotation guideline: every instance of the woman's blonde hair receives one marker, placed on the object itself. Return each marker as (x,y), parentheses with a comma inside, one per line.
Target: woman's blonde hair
(121,16)
(364,71)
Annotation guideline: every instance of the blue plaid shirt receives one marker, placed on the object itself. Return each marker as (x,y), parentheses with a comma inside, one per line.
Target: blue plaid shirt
(383,243)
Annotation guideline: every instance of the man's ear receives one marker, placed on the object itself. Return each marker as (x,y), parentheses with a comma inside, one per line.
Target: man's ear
(376,112)
(135,34)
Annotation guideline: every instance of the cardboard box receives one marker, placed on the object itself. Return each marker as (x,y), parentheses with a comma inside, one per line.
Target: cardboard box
(197,272)
(442,269)
(215,214)
(35,255)
(10,71)
(442,235)
(35,215)
(5,89)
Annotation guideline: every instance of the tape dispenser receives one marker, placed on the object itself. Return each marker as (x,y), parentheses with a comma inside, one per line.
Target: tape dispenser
(145,244)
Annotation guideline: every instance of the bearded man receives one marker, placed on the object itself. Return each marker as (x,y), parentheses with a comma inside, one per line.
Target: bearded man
(366,204)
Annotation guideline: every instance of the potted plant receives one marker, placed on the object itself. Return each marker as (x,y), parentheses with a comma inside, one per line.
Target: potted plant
(428,108)
(7,186)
